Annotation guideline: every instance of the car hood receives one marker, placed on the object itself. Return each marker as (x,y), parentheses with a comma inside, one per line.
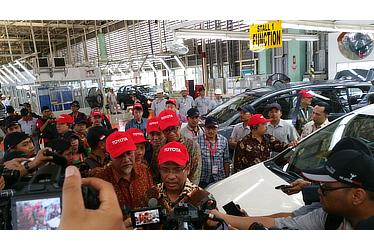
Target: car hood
(254,190)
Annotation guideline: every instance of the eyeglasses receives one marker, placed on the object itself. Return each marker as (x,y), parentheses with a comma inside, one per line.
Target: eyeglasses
(170,129)
(327,189)
(171,170)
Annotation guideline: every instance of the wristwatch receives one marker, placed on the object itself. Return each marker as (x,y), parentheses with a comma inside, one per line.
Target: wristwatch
(26,166)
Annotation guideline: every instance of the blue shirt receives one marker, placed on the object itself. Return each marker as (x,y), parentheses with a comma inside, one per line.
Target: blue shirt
(133,124)
(213,164)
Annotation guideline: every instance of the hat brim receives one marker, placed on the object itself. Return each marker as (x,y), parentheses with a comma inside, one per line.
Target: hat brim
(319,175)
(120,152)
(178,161)
(262,122)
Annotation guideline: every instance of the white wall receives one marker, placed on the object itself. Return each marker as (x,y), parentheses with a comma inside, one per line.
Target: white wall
(335,57)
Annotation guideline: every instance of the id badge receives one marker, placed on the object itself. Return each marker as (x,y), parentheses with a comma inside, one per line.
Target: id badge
(214,169)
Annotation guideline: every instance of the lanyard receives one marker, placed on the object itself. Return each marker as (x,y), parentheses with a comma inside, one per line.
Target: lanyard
(213,152)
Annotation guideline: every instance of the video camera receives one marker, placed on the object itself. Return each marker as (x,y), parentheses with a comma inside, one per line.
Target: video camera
(36,204)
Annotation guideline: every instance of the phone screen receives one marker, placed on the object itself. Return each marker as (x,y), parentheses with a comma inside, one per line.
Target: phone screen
(33,212)
(145,217)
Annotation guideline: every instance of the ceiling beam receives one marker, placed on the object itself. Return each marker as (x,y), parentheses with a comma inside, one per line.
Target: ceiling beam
(44,25)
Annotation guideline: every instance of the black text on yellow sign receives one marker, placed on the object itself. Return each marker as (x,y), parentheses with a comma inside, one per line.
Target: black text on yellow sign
(266,36)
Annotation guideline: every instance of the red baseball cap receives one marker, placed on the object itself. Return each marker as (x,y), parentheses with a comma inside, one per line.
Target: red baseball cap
(172,101)
(65,118)
(137,106)
(152,125)
(257,119)
(168,118)
(118,143)
(136,135)
(96,113)
(306,93)
(175,152)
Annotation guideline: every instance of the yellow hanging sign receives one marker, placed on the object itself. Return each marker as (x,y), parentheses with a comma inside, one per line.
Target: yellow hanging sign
(265,36)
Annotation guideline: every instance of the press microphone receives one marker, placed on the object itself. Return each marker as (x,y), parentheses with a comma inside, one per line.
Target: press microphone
(153,202)
(7,193)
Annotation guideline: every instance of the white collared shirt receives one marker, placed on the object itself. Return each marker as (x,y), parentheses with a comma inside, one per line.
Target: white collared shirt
(310,128)
(240,131)
(283,131)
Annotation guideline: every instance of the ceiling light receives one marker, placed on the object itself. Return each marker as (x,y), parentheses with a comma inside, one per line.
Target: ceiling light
(26,70)
(179,62)
(9,78)
(3,80)
(18,72)
(11,73)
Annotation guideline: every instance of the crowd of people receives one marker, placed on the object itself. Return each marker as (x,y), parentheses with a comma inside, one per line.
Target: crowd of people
(156,157)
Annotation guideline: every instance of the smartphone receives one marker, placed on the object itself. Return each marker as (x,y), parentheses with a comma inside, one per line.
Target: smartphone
(146,216)
(232,209)
(283,186)
(36,211)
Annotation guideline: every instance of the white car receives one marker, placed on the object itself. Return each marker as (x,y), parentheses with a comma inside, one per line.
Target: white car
(254,188)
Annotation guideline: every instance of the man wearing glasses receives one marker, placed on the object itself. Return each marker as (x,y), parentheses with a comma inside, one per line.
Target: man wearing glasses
(75,106)
(170,126)
(346,194)
(173,159)
(129,179)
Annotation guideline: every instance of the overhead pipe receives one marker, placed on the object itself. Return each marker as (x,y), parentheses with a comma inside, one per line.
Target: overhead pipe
(10,47)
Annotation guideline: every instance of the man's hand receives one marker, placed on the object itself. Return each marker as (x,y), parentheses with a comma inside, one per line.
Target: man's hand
(2,183)
(296,186)
(15,164)
(75,216)
(293,144)
(40,158)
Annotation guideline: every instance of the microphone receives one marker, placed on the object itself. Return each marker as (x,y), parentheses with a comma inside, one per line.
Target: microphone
(153,202)
(7,193)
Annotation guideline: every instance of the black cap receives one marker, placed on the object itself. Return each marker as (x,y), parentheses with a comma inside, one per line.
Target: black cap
(24,112)
(211,121)
(348,166)
(247,108)
(44,108)
(13,139)
(9,109)
(273,106)
(58,145)
(96,134)
(193,112)
(10,123)
(80,120)
(351,143)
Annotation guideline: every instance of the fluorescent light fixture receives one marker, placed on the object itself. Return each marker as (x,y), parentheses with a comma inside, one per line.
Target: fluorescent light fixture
(18,72)
(9,78)
(327,26)
(179,62)
(152,67)
(4,80)
(233,35)
(11,73)
(26,70)
(165,65)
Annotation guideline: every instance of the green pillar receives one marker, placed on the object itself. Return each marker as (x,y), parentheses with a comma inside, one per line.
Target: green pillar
(296,57)
(102,47)
(264,62)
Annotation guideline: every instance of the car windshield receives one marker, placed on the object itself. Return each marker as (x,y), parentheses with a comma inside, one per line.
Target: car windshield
(230,108)
(312,152)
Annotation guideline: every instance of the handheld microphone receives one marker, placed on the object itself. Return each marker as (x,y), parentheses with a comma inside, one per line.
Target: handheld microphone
(202,199)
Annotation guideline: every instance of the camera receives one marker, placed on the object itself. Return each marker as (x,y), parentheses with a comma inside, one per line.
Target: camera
(37,203)
(10,176)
